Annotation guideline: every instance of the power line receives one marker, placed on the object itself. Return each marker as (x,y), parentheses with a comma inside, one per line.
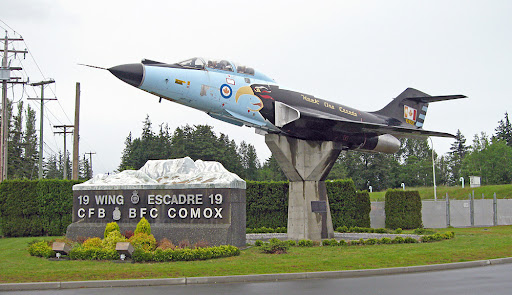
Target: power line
(9,27)
(42,84)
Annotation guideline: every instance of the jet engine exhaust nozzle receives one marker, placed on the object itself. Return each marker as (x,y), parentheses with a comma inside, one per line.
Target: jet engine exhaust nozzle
(385,143)
(132,74)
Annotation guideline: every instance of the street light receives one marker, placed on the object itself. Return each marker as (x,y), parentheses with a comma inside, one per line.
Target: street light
(433,169)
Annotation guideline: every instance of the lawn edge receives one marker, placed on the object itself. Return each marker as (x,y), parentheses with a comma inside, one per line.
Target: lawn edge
(249,278)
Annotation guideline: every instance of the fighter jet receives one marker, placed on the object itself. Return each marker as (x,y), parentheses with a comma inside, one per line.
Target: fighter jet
(240,95)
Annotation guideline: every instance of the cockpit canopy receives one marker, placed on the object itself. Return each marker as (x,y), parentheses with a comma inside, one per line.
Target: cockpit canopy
(222,65)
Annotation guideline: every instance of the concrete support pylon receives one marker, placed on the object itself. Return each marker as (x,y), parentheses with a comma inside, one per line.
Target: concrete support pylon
(306,164)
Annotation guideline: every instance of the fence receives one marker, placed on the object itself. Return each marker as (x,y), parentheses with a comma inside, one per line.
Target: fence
(456,213)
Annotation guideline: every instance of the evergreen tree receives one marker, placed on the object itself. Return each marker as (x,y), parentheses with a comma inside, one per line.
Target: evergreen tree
(442,170)
(504,131)
(31,154)
(52,167)
(458,151)
(15,146)
(85,169)
(249,160)
(148,147)
(270,171)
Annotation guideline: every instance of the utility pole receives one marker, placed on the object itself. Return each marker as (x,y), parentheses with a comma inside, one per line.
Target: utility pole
(64,127)
(76,134)
(42,84)
(5,77)
(90,159)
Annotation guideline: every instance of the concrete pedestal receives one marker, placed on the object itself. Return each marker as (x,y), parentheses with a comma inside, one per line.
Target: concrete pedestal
(306,164)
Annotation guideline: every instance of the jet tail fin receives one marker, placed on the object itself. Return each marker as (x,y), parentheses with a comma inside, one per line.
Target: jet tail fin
(411,106)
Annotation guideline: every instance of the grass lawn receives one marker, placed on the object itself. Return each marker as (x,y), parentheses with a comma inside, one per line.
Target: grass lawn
(455,192)
(16,265)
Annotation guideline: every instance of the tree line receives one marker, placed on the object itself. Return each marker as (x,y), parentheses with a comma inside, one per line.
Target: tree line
(488,157)
(23,149)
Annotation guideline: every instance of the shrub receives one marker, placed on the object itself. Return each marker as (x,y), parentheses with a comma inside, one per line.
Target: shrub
(403,209)
(331,242)
(142,240)
(81,253)
(81,239)
(398,240)
(159,255)
(355,242)
(305,243)
(201,244)
(41,249)
(398,231)
(380,230)
(112,239)
(112,226)
(427,239)
(371,242)
(291,243)
(165,244)
(343,243)
(258,243)
(143,227)
(275,246)
(342,229)
(409,240)
(184,244)
(385,241)
(128,233)
(92,243)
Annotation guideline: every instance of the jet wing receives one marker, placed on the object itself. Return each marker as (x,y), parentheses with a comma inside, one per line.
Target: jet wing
(343,124)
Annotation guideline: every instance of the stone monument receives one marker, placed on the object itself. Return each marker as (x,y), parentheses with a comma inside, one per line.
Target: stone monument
(182,200)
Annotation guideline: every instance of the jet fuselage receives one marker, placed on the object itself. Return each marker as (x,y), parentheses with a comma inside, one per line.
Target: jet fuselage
(242,96)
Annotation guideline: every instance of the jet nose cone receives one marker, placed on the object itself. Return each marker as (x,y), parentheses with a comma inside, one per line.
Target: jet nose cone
(132,74)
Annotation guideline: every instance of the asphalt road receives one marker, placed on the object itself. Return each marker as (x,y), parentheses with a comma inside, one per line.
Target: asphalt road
(495,279)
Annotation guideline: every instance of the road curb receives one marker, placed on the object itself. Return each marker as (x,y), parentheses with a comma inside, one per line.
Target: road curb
(250,278)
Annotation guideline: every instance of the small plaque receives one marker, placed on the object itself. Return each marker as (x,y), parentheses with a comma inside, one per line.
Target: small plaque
(318,206)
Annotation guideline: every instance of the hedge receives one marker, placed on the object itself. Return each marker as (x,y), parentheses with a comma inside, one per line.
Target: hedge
(267,204)
(403,209)
(186,254)
(348,207)
(35,207)
(44,207)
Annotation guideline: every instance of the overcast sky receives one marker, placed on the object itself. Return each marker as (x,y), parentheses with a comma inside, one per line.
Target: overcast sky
(357,53)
